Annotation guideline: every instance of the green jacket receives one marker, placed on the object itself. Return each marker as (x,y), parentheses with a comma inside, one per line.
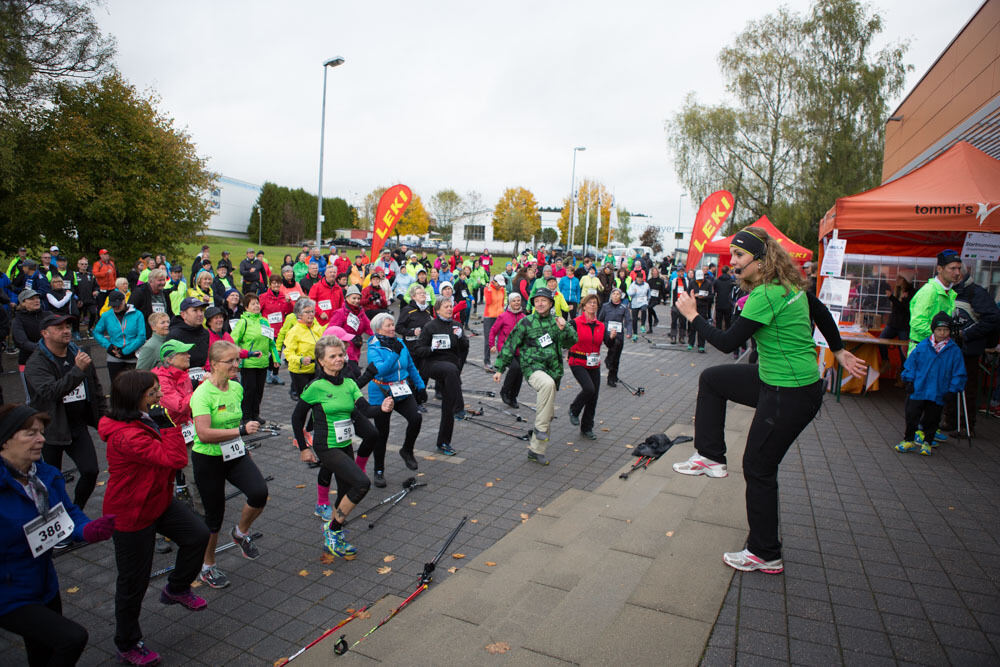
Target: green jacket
(929,300)
(478,278)
(299,270)
(536,352)
(248,334)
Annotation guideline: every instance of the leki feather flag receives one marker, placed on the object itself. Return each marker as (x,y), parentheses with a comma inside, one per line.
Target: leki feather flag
(390,209)
(711,214)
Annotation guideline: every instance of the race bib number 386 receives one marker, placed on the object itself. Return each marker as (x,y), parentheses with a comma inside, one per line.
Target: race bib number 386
(42,535)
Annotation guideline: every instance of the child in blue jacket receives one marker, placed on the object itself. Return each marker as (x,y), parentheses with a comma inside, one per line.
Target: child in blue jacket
(934,373)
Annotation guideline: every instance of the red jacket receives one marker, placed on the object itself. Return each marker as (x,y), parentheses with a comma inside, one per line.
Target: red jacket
(321,292)
(589,336)
(141,467)
(374,298)
(275,303)
(453,261)
(343,265)
(176,387)
(105,274)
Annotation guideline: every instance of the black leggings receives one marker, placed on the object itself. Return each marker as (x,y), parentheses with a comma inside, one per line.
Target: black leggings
(211,474)
(678,324)
(299,381)
(252,380)
(513,380)
(449,381)
(585,403)
(134,557)
(407,407)
(614,355)
(654,319)
(638,317)
(369,439)
(338,462)
(782,414)
(924,415)
(50,639)
(81,450)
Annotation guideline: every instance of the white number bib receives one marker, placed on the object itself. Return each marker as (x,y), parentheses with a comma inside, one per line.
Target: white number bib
(275,317)
(267,331)
(593,359)
(545,340)
(42,535)
(591,290)
(232,449)
(440,342)
(353,321)
(232,324)
(159,308)
(187,431)
(399,389)
(654,292)
(343,430)
(702,292)
(294,296)
(325,305)
(465,293)
(197,374)
(615,326)
(78,394)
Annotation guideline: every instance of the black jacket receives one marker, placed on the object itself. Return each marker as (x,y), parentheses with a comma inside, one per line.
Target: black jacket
(724,292)
(49,380)
(660,286)
(981,327)
(142,300)
(411,318)
(458,351)
(252,271)
(27,331)
(197,336)
(219,289)
(307,283)
(85,288)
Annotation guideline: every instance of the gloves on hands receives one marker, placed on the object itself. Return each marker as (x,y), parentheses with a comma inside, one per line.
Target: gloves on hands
(160,417)
(421,396)
(909,388)
(100,529)
(370,372)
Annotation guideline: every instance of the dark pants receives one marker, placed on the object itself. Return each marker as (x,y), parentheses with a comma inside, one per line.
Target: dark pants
(585,403)
(115,368)
(950,414)
(338,463)
(487,326)
(50,639)
(211,474)
(723,317)
(81,450)
(782,414)
(134,556)
(449,382)
(890,331)
(369,435)
(654,319)
(678,324)
(922,414)
(638,317)
(693,333)
(252,380)
(299,382)
(407,407)
(513,379)
(614,356)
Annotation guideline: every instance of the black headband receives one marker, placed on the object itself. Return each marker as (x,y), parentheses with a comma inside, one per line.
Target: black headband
(749,242)
(14,420)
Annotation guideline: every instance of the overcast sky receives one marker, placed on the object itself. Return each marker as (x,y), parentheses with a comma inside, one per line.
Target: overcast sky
(463,95)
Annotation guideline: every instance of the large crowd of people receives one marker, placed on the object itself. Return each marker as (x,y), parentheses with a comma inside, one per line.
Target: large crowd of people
(189,354)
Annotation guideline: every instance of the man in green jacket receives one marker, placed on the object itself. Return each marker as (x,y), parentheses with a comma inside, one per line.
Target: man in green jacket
(935,296)
(539,340)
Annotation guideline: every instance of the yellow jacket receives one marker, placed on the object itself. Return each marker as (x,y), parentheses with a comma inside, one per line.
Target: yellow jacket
(206,296)
(301,342)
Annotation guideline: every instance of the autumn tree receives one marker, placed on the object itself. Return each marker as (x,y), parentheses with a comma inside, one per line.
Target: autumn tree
(623,233)
(651,237)
(415,220)
(588,194)
(108,171)
(369,206)
(446,205)
(550,236)
(516,217)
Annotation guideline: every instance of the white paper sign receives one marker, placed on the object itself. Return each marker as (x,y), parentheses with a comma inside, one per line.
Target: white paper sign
(833,258)
(980,245)
(440,342)
(399,389)
(343,430)
(275,317)
(818,337)
(835,292)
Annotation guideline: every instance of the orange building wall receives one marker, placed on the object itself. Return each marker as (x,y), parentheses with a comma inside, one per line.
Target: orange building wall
(965,77)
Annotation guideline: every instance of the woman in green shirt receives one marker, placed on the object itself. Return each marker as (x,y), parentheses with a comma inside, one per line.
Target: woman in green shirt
(785,388)
(219,455)
(338,411)
(253,333)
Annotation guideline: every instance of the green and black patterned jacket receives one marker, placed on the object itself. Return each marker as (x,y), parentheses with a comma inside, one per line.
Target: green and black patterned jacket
(541,344)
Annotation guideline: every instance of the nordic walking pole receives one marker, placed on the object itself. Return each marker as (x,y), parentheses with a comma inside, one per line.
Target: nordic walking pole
(408,486)
(506,412)
(218,549)
(324,635)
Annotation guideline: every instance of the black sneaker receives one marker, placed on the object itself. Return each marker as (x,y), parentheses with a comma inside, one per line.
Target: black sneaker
(510,401)
(246,545)
(421,409)
(589,435)
(162,546)
(612,383)
(380,479)
(446,449)
(573,419)
(408,459)
(537,458)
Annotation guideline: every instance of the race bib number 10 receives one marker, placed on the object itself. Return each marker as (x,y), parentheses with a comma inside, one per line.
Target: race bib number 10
(233,449)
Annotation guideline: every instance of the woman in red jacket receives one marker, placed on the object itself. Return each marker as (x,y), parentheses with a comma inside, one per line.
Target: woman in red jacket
(276,305)
(144,450)
(585,363)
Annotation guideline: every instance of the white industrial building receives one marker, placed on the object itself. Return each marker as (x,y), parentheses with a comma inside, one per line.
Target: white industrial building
(231,201)
(471,232)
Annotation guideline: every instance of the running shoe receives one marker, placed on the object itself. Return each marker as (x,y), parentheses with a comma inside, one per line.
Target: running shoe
(246,545)
(214,577)
(699,465)
(690,347)
(380,479)
(925,449)
(460,415)
(337,544)
(162,546)
(906,446)
(747,562)
(446,449)
(187,599)
(574,419)
(921,439)
(642,329)
(324,512)
(701,350)
(408,459)
(278,380)
(537,458)
(589,435)
(939,437)
(139,655)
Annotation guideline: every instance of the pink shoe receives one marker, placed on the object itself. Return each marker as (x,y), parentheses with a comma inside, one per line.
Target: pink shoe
(139,655)
(188,599)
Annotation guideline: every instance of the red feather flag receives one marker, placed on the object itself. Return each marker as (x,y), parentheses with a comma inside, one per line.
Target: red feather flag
(391,207)
(711,214)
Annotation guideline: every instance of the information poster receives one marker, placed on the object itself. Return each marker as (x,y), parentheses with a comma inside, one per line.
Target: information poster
(833,258)
(981,245)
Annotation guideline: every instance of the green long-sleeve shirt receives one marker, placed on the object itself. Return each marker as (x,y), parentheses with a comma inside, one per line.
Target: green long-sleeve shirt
(929,300)
(541,343)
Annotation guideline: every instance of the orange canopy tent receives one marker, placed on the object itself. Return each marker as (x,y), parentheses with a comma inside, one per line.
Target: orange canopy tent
(720,247)
(923,212)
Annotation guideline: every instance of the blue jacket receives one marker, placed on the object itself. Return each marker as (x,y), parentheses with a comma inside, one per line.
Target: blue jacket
(24,579)
(392,367)
(934,374)
(569,286)
(130,337)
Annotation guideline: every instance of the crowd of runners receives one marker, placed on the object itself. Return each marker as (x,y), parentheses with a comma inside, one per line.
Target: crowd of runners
(190,351)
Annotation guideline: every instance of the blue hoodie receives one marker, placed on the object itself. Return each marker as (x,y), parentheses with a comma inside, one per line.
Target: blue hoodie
(392,367)
(129,336)
(932,373)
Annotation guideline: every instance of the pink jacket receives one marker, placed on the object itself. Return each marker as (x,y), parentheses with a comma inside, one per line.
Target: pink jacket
(503,326)
(339,319)
(176,387)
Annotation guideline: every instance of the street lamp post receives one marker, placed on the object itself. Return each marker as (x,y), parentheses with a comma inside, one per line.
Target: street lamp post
(332,62)
(260,226)
(678,228)
(572,200)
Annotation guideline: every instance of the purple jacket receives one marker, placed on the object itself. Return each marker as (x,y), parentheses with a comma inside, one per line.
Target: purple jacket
(502,328)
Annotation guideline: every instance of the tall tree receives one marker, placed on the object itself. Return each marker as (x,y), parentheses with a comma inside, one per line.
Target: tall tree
(623,233)
(109,171)
(415,220)
(588,194)
(516,217)
(651,237)
(446,205)
(370,205)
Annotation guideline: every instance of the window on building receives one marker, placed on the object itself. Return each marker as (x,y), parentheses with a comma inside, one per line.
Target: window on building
(475,232)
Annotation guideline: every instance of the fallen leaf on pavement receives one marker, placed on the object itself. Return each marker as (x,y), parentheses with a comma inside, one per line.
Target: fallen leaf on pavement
(606,430)
(670,533)
(300,486)
(100,484)
(498,479)
(350,610)
(327,573)
(326,559)
(363,614)
(490,563)
(303,573)
(489,483)
(195,584)
(569,443)
(473,520)
(74,589)
(950,507)
(635,418)
(430,457)
(453,569)
(413,503)
(629,446)
(497,647)
(388,559)
(421,474)
(457,556)
(575,449)
(385,569)
(280,661)
(524,516)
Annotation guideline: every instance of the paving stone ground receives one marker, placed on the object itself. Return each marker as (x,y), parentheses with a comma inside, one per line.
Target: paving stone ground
(888,556)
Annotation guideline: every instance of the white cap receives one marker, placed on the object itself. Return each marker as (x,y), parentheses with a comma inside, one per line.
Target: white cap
(699,275)
(445,284)
(499,279)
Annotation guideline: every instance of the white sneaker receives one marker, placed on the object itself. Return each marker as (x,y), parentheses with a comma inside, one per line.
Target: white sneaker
(699,465)
(747,562)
